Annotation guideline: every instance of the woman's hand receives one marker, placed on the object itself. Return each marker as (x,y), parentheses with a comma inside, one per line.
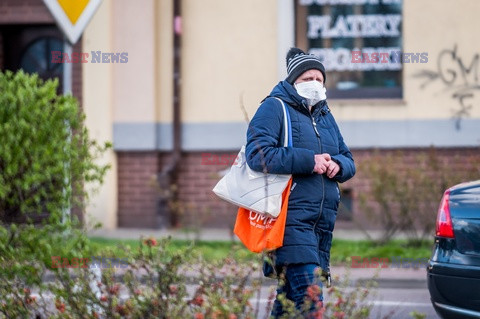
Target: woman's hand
(321,163)
(325,165)
(333,169)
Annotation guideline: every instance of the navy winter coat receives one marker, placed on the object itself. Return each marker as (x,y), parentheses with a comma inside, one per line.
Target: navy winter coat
(314,200)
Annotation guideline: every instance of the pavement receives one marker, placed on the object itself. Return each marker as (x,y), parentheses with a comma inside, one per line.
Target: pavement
(402,277)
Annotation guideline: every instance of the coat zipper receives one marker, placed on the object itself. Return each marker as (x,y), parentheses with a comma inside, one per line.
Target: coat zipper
(319,139)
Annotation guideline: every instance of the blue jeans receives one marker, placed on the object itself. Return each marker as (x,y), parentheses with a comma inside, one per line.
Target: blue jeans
(297,280)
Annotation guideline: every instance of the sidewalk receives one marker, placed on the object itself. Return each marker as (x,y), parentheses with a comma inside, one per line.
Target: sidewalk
(387,277)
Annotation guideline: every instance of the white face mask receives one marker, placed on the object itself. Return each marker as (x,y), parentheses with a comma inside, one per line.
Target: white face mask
(313,91)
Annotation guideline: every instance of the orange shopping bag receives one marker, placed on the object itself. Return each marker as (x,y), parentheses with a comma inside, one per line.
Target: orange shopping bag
(259,232)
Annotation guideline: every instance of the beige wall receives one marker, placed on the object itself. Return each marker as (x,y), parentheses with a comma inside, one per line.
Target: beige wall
(134,82)
(446,25)
(226,54)
(98,107)
(164,56)
(229,51)
(232,53)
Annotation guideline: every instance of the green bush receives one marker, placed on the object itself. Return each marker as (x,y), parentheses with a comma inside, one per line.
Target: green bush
(45,149)
(46,159)
(405,191)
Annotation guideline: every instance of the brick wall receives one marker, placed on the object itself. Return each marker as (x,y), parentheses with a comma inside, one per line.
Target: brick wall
(24,12)
(199,172)
(137,192)
(460,159)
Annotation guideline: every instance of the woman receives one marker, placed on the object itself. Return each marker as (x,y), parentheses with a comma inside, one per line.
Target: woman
(318,161)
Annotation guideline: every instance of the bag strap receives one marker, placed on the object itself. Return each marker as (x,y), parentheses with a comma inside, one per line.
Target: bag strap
(287,129)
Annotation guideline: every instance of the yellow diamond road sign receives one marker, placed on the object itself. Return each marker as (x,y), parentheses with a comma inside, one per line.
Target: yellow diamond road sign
(72,16)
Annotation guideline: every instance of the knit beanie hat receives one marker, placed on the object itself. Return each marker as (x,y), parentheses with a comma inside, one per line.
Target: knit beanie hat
(299,62)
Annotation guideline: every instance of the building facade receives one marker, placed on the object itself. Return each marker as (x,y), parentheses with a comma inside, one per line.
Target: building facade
(231,54)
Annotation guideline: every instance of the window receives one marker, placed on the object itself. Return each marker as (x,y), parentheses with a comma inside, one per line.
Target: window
(37,58)
(359,42)
(30,48)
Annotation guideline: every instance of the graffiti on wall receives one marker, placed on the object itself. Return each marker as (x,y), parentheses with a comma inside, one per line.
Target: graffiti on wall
(459,78)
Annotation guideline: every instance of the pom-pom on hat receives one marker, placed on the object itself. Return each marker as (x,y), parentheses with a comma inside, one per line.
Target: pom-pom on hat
(299,62)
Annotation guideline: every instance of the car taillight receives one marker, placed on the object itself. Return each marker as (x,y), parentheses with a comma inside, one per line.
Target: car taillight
(444,219)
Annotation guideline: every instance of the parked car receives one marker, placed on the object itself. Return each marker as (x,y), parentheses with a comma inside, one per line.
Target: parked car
(453,273)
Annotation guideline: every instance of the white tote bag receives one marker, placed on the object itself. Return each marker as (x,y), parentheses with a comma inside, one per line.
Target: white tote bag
(255,191)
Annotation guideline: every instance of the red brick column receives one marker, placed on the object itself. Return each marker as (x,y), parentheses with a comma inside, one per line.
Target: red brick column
(199,172)
(137,190)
